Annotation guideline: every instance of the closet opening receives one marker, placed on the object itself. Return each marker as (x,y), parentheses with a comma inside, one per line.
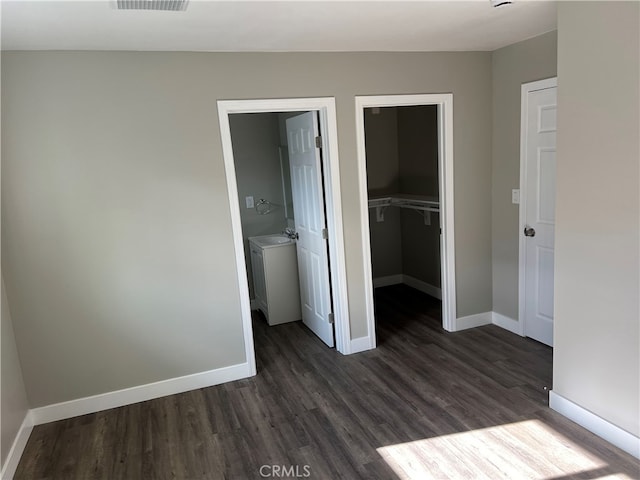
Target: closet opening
(405,155)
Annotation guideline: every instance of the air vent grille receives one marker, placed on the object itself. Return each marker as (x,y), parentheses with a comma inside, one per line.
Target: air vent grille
(164,5)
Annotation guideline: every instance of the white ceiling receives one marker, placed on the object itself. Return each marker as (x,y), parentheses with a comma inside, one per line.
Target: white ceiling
(274,26)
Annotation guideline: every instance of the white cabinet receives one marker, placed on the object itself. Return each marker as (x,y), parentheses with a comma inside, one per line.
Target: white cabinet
(275,278)
(259,287)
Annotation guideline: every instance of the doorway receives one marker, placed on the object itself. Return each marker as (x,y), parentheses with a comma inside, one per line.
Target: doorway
(443,105)
(326,116)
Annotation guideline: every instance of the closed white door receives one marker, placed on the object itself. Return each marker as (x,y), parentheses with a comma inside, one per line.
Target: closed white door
(310,224)
(539,206)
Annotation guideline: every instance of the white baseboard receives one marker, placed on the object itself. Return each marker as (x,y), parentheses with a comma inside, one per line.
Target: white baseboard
(388,280)
(127,396)
(595,424)
(507,323)
(19,443)
(410,281)
(471,321)
(361,344)
(422,286)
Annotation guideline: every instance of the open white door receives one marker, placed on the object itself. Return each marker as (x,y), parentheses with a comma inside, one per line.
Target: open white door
(310,224)
(538,206)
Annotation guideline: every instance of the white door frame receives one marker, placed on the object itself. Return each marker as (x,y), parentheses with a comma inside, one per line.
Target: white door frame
(328,127)
(445,172)
(524,112)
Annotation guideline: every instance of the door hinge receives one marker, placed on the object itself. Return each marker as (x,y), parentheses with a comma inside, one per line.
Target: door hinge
(318,141)
(332,318)
(325,234)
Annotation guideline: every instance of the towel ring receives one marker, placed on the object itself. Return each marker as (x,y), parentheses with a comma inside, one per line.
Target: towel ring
(263,207)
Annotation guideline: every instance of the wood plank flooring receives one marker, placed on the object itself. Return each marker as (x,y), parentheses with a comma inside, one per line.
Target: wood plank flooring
(425,404)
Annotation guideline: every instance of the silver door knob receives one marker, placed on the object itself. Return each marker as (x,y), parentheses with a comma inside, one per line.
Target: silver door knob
(529,232)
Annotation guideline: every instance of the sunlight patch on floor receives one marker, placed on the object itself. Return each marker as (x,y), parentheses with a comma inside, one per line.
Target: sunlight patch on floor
(523,450)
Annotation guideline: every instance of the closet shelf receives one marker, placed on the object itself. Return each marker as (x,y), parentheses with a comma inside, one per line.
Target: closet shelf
(421,204)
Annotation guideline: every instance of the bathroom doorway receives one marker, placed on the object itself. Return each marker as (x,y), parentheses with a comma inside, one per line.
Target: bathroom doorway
(264,201)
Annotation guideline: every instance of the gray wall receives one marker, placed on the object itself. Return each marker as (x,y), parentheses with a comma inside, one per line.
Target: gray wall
(597,328)
(418,152)
(523,62)
(117,247)
(381,143)
(383,178)
(255,139)
(14,396)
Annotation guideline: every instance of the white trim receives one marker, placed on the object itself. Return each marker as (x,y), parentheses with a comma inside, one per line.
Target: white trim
(388,280)
(595,424)
(507,323)
(472,321)
(236,230)
(362,344)
(424,287)
(17,448)
(141,393)
(445,167)
(326,107)
(524,106)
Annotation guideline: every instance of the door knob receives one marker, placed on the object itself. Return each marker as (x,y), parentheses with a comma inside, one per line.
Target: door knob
(529,232)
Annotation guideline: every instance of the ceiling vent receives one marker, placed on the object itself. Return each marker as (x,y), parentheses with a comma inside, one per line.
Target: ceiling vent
(162,5)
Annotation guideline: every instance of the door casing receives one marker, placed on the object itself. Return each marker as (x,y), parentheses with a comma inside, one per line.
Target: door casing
(524,107)
(445,172)
(326,109)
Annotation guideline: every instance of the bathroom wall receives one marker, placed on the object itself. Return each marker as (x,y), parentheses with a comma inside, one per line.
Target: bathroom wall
(256,140)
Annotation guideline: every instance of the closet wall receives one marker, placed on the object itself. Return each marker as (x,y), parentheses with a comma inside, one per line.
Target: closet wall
(402,157)
(383,178)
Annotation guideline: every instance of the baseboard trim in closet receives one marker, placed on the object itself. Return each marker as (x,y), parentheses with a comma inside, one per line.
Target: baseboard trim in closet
(422,286)
(388,280)
(410,281)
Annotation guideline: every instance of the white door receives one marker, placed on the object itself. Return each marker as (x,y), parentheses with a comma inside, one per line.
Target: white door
(538,207)
(308,206)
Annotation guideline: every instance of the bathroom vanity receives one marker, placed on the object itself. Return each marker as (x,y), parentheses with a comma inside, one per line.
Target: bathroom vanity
(275,278)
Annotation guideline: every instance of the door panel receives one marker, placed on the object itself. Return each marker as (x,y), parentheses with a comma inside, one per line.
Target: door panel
(540,206)
(308,201)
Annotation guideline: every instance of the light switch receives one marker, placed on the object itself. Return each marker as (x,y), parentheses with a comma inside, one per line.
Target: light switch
(515,196)
(249,201)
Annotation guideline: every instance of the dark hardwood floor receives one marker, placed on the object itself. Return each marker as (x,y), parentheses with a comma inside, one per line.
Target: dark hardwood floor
(424,404)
